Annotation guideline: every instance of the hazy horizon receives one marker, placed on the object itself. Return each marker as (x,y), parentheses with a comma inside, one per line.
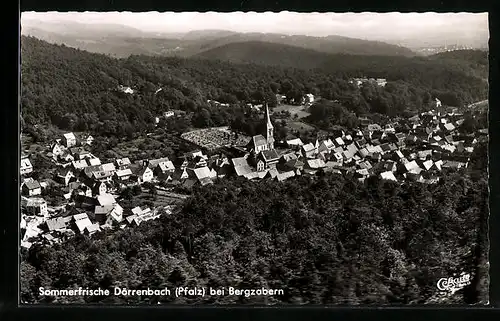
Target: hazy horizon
(392,26)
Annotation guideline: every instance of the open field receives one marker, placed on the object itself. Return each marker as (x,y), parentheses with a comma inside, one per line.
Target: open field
(300,126)
(300,111)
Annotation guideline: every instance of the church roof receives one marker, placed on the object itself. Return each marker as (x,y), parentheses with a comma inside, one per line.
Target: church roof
(270,155)
(259,140)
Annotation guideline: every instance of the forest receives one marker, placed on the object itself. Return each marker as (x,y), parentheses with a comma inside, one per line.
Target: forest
(326,239)
(77,90)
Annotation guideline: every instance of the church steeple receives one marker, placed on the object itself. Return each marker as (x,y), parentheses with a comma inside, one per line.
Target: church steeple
(269,129)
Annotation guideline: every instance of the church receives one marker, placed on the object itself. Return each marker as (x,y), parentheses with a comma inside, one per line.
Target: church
(262,152)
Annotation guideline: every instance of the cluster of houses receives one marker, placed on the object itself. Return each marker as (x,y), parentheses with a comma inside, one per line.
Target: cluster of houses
(360,81)
(418,149)
(88,187)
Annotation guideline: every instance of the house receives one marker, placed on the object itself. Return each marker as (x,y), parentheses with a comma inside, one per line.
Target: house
(411,167)
(109,167)
(294,143)
(93,161)
(64,176)
(424,154)
(143,173)
(339,141)
(269,157)
(89,230)
(87,140)
(258,143)
(79,153)
(308,150)
(34,206)
(122,175)
(109,214)
(99,188)
(31,188)
(389,175)
(26,166)
(427,165)
(69,140)
(122,163)
(180,174)
(314,164)
(374,127)
(56,224)
(241,166)
(164,169)
(293,164)
(285,175)
(79,164)
(168,113)
(57,149)
(202,173)
(105,199)
(81,221)
(449,127)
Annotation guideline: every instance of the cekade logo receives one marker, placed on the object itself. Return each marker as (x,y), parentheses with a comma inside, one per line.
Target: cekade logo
(454,284)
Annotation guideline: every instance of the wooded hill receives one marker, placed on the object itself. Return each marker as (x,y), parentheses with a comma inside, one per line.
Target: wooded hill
(77,90)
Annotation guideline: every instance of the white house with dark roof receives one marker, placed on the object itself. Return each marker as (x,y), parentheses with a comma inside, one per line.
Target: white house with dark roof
(34,206)
(26,166)
(31,188)
(69,139)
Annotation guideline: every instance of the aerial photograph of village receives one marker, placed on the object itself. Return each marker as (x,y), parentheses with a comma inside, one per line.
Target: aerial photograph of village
(254,158)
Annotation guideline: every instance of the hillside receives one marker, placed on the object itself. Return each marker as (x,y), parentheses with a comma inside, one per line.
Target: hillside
(264,53)
(476,60)
(75,89)
(121,41)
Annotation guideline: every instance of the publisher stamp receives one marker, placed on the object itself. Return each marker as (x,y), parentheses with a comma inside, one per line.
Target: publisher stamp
(452,284)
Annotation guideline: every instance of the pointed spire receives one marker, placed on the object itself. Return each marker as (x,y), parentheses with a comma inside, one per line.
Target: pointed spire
(268,117)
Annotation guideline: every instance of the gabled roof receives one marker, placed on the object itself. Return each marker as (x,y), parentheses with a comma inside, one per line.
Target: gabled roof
(388,176)
(411,166)
(166,166)
(32,184)
(289,156)
(259,140)
(123,161)
(155,162)
(109,167)
(123,172)
(315,163)
(308,147)
(295,142)
(69,136)
(339,141)
(106,199)
(427,164)
(202,172)
(94,161)
(78,164)
(25,162)
(106,209)
(270,155)
(285,175)
(56,223)
(82,224)
(93,228)
(240,161)
(449,126)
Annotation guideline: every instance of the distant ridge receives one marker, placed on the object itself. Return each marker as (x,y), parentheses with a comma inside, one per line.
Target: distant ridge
(122,41)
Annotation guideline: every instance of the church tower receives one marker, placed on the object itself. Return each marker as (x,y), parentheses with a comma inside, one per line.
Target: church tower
(269,130)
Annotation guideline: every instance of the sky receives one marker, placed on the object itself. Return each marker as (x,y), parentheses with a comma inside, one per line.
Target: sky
(359,25)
